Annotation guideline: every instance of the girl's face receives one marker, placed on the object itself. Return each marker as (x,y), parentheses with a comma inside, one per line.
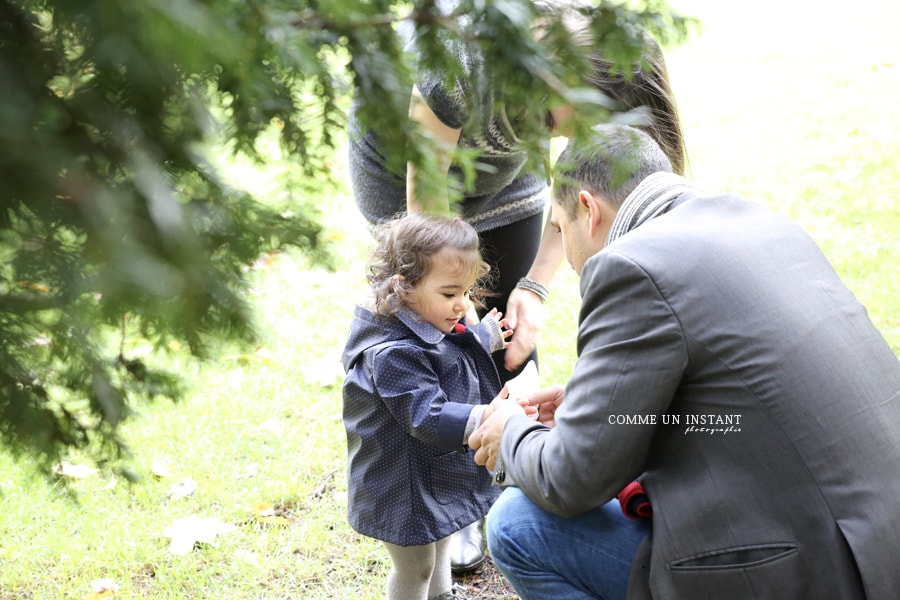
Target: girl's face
(442,296)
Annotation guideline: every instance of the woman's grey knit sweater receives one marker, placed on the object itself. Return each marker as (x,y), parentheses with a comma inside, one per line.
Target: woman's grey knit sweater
(502,192)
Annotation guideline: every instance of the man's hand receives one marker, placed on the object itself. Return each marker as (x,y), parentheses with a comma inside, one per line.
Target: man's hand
(525,315)
(486,439)
(547,401)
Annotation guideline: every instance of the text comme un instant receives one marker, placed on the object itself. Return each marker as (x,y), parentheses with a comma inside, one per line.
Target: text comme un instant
(668,419)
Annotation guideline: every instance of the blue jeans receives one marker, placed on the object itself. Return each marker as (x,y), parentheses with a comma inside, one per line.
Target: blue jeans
(546,556)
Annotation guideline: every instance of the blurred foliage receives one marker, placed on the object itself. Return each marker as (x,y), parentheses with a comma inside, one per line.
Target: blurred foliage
(114,220)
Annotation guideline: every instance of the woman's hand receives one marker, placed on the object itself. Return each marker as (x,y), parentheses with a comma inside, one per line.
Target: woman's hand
(525,315)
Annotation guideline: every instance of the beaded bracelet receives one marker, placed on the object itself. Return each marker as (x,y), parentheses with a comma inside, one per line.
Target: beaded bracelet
(531,285)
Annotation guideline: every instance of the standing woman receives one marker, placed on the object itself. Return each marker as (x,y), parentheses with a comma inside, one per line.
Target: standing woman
(506,202)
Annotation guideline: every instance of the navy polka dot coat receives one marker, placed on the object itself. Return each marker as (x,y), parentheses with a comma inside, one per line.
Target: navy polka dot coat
(407,397)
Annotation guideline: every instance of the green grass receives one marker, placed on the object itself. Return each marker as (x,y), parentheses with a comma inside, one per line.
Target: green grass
(801,118)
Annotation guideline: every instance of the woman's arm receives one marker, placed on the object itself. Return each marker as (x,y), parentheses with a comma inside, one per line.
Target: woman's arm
(445,137)
(525,309)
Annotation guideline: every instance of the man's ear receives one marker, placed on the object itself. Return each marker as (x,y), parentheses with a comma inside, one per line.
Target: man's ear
(593,209)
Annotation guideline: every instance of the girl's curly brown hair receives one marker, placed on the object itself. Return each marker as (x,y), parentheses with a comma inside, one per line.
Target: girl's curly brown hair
(403,256)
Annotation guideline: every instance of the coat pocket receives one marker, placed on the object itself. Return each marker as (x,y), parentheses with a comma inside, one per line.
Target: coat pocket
(450,476)
(738,557)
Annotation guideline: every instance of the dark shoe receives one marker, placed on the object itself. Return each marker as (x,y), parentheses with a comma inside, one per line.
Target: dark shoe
(467,548)
(456,593)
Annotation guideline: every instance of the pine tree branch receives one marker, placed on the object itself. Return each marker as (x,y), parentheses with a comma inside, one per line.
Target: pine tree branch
(24,303)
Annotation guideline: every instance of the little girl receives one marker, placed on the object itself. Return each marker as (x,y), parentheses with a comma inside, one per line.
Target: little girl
(418,380)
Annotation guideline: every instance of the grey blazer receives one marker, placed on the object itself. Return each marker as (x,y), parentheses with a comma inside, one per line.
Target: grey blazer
(726,317)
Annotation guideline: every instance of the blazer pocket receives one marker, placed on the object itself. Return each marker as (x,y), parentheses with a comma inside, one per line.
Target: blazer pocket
(738,557)
(773,570)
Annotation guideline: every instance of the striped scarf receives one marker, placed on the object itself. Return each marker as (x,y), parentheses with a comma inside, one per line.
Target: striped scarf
(649,199)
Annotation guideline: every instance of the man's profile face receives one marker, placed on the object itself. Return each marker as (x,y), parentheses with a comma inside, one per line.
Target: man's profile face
(574,232)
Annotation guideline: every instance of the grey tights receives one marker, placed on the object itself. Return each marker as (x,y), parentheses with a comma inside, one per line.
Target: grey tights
(419,572)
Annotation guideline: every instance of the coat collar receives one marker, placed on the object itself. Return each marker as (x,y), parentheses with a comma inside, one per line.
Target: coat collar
(369,330)
(423,330)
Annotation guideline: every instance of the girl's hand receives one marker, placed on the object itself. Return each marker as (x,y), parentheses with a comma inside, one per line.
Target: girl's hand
(531,411)
(506,331)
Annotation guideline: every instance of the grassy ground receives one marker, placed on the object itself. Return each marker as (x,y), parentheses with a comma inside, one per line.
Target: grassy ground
(793,106)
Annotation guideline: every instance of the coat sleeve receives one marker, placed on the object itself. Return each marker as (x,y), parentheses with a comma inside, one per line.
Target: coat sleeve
(631,357)
(489,333)
(405,380)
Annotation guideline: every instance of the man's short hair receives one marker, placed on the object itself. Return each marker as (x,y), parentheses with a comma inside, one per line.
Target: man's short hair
(610,163)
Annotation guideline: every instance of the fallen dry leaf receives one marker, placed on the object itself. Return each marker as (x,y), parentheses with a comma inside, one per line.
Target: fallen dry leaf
(160,469)
(99,595)
(188,531)
(183,488)
(261,509)
(72,471)
(102,588)
(269,515)
(275,521)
